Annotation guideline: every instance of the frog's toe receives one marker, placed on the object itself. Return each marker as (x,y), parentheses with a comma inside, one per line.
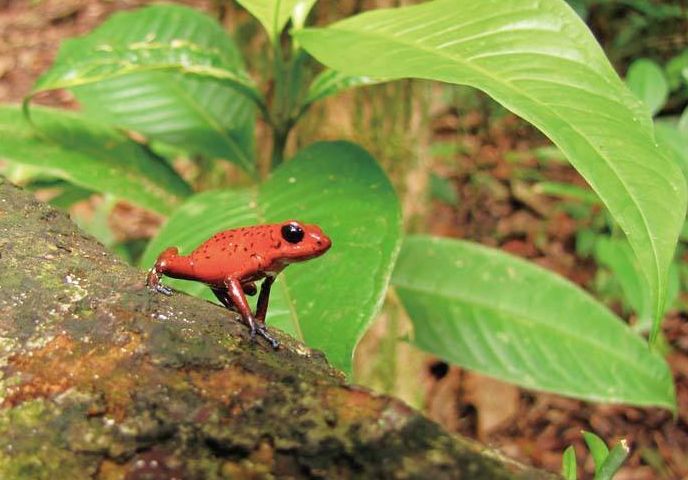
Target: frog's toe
(160,288)
(273,341)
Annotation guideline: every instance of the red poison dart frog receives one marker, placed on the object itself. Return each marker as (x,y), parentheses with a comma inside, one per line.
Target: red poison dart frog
(230,263)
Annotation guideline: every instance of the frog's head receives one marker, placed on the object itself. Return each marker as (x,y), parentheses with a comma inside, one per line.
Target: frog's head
(301,242)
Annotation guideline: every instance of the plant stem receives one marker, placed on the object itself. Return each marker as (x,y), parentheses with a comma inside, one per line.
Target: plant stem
(279,130)
(279,143)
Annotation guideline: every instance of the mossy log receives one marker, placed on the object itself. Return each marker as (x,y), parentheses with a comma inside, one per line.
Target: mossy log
(101,378)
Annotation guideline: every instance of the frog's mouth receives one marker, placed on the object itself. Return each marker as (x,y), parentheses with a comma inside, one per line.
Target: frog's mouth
(317,242)
(323,243)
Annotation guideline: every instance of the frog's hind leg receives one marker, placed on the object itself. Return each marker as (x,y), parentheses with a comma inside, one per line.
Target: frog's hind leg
(221,295)
(233,299)
(160,268)
(249,288)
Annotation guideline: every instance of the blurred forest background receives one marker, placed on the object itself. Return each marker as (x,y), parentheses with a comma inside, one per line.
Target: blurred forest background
(464,168)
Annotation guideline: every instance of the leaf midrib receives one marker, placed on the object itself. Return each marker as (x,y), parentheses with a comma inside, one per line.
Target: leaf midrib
(517,317)
(141,178)
(586,395)
(538,382)
(211,121)
(162,67)
(173,86)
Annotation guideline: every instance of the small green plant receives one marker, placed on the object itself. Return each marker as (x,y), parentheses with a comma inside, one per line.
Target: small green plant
(176,78)
(607,462)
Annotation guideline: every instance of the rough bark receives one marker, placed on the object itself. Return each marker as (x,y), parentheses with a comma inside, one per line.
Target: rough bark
(101,378)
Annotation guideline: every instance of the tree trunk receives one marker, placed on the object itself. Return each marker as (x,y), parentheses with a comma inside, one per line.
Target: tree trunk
(102,378)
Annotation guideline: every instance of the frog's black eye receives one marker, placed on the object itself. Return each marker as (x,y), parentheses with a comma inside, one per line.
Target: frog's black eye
(292,233)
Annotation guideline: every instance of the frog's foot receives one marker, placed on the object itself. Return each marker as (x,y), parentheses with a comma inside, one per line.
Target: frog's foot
(160,288)
(159,269)
(153,282)
(263,332)
(257,328)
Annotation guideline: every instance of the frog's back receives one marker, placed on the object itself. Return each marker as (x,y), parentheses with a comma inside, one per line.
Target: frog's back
(238,253)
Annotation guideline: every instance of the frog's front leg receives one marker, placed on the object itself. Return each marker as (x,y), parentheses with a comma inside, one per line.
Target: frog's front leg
(235,294)
(159,269)
(262,307)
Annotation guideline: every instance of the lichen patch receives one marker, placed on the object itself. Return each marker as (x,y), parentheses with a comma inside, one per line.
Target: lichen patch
(353,405)
(62,364)
(228,385)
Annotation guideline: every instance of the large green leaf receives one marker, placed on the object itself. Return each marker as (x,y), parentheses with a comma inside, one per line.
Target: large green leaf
(328,302)
(274,14)
(676,70)
(168,72)
(683,119)
(617,256)
(646,79)
(674,142)
(330,82)
(502,316)
(539,60)
(90,155)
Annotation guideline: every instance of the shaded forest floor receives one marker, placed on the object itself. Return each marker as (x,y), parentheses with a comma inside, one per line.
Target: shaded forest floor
(487,193)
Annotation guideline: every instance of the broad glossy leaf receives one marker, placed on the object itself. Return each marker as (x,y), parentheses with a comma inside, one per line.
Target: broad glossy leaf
(539,60)
(676,69)
(330,83)
(567,190)
(274,14)
(300,12)
(674,142)
(617,256)
(90,155)
(168,72)
(683,121)
(68,193)
(502,316)
(646,79)
(580,7)
(328,302)
(65,194)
